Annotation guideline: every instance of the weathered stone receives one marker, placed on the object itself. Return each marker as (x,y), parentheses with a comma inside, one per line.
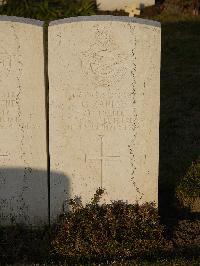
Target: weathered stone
(104,75)
(23,160)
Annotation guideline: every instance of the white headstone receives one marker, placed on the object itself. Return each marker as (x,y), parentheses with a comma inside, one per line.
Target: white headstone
(104,76)
(23,160)
(112,5)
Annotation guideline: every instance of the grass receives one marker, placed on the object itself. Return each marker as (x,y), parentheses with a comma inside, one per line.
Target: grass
(179,120)
(163,262)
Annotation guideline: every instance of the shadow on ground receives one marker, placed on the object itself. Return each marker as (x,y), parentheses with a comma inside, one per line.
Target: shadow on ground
(180,112)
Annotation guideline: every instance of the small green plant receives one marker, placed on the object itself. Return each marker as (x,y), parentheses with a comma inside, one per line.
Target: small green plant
(47,9)
(109,230)
(188,190)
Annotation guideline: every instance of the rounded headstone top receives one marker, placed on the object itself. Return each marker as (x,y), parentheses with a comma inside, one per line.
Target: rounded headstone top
(22,20)
(106,18)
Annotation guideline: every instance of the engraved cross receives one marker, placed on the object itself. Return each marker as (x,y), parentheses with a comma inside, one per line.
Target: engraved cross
(102,158)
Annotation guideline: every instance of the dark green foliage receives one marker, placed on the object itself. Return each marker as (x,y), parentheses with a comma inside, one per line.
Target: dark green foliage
(110,230)
(97,234)
(188,190)
(181,5)
(186,237)
(48,9)
(19,243)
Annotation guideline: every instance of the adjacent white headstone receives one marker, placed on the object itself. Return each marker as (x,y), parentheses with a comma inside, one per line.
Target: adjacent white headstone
(23,160)
(104,75)
(112,5)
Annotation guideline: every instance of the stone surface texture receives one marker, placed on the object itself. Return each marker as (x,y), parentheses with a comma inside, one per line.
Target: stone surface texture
(23,160)
(104,76)
(123,4)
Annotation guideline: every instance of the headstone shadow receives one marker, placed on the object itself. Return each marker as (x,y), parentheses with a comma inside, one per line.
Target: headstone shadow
(20,196)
